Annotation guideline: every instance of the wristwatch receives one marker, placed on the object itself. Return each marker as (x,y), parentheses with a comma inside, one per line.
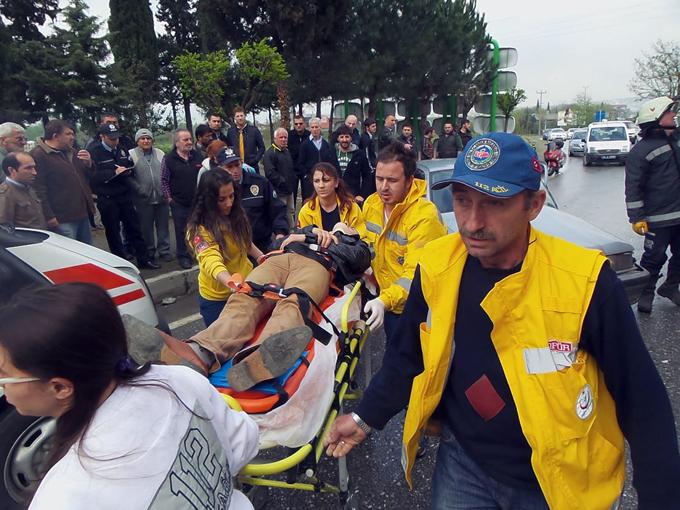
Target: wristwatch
(361,423)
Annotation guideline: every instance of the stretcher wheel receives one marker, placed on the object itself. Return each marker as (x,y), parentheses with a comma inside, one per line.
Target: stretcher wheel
(348,500)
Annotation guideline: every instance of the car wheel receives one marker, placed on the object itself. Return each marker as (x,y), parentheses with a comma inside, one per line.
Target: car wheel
(24,446)
(586,161)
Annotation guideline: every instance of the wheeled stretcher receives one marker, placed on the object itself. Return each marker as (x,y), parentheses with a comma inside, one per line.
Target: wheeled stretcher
(297,409)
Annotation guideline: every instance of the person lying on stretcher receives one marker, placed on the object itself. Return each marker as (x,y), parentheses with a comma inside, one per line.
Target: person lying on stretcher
(308,260)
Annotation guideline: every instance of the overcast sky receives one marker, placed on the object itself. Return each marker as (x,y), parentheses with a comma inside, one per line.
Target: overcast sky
(566,46)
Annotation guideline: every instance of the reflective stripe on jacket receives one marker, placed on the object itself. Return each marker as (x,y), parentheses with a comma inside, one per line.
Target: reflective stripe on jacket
(351,217)
(397,245)
(565,410)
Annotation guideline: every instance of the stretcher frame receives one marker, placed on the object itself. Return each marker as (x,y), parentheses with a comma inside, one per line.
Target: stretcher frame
(301,463)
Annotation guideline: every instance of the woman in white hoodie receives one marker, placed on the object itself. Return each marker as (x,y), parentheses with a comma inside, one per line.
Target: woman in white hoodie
(127,436)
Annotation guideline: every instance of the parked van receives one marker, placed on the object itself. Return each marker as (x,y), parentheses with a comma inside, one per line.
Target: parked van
(606,142)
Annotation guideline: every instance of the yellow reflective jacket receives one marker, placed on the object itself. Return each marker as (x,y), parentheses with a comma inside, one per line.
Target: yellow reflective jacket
(397,244)
(211,262)
(351,217)
(565,410)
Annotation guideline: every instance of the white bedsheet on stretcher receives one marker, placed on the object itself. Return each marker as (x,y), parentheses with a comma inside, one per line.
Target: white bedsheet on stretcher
(297,421)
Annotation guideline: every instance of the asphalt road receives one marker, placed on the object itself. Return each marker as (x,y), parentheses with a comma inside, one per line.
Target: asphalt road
(594,194)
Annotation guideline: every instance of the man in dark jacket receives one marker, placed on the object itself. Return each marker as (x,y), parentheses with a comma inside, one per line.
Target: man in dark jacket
(110,180)
(245,139)
(653,196)
(266,213)
(351,124)
(279,169)
(354,167)
(368,142)
(217,130)
(449,144)
(61,182)
(407,140)
(388,132)
(179,172)
(296,137)
(312,151)
(465,131)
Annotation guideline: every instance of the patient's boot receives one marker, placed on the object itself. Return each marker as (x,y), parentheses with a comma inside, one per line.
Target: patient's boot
(148,344)
(669,288)
(272,358)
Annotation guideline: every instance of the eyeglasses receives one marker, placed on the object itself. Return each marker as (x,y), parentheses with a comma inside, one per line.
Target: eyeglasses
(16,380)
(298,123)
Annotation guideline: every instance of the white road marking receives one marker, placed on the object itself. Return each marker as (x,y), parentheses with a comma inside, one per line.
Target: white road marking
(184,321)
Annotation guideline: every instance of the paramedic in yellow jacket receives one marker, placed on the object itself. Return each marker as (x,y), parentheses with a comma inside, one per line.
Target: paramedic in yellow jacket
(331,203)
(398,221)
(521,351)
(219,234)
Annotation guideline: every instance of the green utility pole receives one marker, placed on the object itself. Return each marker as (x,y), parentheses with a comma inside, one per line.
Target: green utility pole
(495,61)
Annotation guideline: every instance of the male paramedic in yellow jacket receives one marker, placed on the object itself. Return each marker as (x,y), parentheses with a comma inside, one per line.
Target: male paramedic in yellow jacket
(399,220)
(520,350)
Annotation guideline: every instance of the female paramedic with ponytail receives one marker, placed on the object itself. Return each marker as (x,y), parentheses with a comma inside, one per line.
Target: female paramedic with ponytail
(218,232)
(331,203)
(127,436)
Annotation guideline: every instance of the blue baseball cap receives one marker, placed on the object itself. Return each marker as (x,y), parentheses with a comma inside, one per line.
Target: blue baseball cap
(498,164)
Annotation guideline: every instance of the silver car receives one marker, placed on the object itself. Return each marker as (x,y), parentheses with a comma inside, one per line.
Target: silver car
(576,145)
(551,221)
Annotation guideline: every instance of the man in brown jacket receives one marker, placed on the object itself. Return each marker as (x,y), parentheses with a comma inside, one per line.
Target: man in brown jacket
(19,205)
(61,182)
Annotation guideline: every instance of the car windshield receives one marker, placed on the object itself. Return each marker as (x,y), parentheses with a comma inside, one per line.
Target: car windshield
(558,130)
(443,198)
(607,134)
(580,134)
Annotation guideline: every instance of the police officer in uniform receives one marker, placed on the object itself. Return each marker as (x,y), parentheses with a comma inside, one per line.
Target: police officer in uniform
(653,196)
(109,180)
(267,214)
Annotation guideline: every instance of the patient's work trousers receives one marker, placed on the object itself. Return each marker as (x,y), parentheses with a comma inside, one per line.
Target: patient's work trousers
(238,321)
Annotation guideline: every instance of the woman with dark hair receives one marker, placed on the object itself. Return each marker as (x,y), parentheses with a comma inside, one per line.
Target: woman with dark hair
(218,232)
(331,202)
(126,434)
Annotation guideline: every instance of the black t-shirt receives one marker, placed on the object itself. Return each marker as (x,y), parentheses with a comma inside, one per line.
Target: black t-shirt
(329,219)
(494,441)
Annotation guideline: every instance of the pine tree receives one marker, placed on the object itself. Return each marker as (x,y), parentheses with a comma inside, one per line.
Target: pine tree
(80,67)
(135,50)
(179,19)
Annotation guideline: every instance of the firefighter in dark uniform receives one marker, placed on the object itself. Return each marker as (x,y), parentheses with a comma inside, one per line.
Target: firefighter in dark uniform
(109,180)
(267,214)
(653,196)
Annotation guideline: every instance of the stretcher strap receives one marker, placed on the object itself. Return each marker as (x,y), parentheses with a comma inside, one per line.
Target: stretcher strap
(274,292)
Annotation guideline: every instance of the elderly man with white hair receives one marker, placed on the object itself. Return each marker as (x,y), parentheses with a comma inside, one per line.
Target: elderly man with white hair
(351,122)
(12,139)
(312,151)
(280,170)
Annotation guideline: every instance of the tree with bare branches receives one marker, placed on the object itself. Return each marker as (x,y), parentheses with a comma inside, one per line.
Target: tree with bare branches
(658,73)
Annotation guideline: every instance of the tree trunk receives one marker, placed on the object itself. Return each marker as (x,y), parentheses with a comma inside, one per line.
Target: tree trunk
(284,103)
(318,108)
(299,108)
(372,106)
(187,114)
(173,107)
(330,120)
(271,124)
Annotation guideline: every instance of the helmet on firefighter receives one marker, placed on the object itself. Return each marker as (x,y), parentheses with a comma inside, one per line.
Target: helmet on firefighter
(653,109)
